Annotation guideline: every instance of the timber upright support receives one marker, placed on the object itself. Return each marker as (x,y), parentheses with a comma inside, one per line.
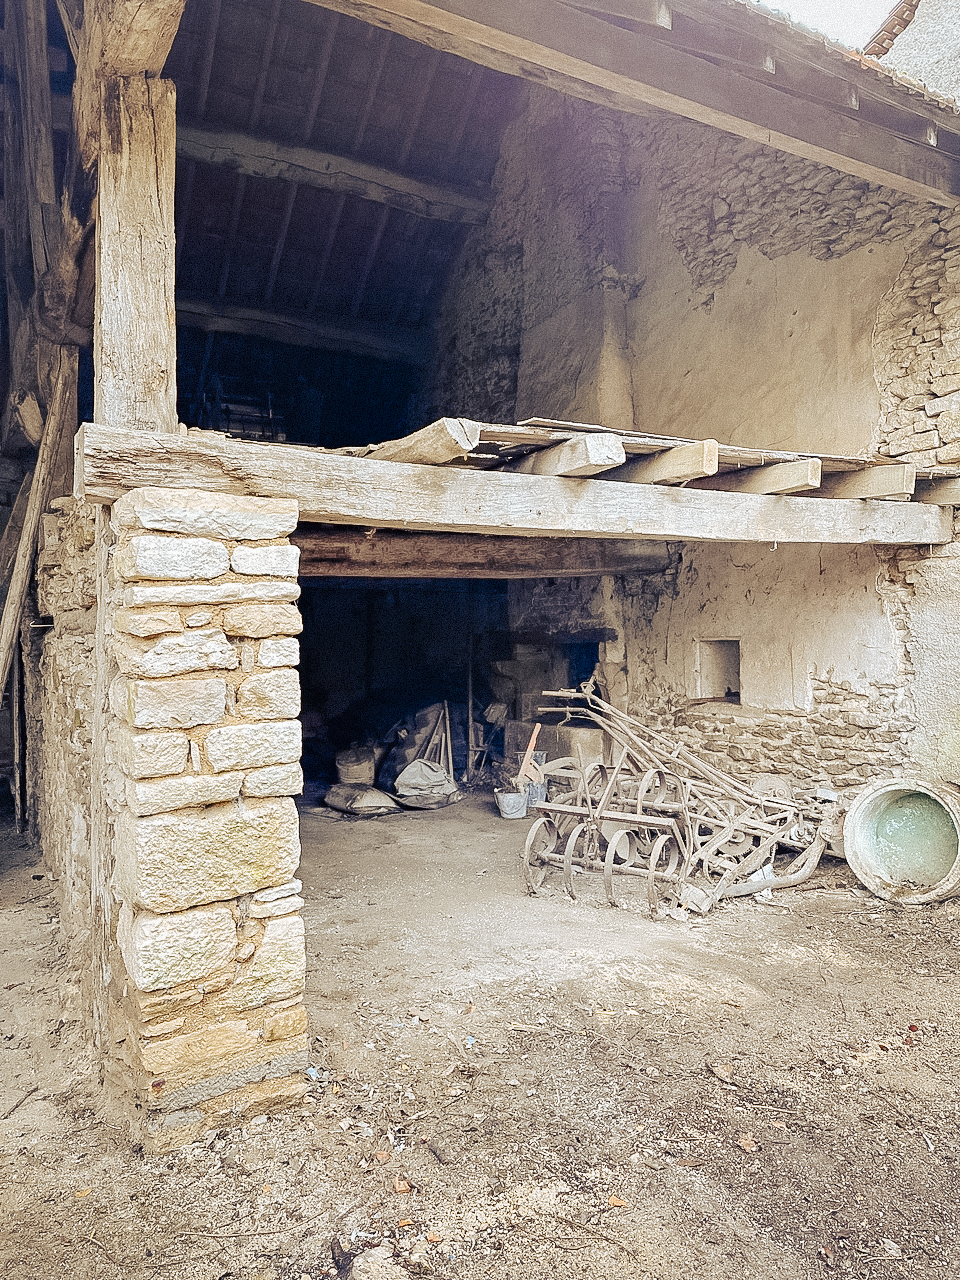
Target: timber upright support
(198,957)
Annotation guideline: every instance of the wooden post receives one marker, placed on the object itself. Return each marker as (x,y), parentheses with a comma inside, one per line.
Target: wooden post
(57,421)
(135,326)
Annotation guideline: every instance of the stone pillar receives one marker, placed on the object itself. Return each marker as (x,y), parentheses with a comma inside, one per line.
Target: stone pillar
(196,761)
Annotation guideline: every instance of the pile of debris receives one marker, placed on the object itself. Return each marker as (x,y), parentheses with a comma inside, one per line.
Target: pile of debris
(695,834)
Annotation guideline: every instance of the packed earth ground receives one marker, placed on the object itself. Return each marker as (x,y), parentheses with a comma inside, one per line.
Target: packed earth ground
(517,1088)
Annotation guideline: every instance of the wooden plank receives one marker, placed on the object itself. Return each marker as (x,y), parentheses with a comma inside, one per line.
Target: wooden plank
(334,489)
(583,455)
(135,330)
(10,538)
(384,342)
(896,481)
(672,466)
(332,552)
(118,38)
(262,158)
(582,55)
(945,493)
(779,477)
(440,442)
(57,422)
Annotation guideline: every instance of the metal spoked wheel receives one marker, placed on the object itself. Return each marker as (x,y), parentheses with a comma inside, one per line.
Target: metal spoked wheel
(542,840)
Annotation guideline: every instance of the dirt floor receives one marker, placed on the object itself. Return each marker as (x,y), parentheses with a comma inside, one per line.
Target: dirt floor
(522,1088)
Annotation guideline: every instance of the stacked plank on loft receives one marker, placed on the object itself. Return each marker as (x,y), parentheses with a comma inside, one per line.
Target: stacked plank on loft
(543,447)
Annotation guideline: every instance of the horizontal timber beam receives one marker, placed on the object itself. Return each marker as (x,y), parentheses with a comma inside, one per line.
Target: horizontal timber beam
(262,158)
(384,343)
(342,552)
(583,55)
(117,38)
(336,489)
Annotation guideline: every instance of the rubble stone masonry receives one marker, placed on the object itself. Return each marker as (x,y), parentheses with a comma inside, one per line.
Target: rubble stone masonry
(178,846)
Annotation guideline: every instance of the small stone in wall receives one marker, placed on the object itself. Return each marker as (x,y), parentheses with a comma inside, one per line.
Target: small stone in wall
(147,754)
(258,621)
(288,890)
(281,652)
(277,971)
(255,745)
(198,512)
(277,780)
(146,622)
(282,907)
(271,695)
(291,1022)
(179,559)
(199,617)
(267,562)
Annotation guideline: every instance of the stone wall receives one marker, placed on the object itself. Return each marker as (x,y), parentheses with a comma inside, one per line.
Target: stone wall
(168,792)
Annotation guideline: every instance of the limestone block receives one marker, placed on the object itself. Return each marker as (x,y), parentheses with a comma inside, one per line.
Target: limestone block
(278,968)
(168,950)
(171,861)
(949,455)
(281,652)
(215,515)
(277,780)
(943,404)
(150,622)
(181,559)
(175,655)
(267,562)
(168,704)
(184,1054)
(257,621)
(288,890)
(191,593)
(270,695)
(948,427)
(282,907)
(251,746)
(146,754)
(185,792)
(199,617)
(291,1022)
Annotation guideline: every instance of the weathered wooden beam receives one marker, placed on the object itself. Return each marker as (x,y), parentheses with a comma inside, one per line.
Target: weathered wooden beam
(57,422)
(441,441)
(135,332)
(118,38)
(672,466)
(778,477)
(583,55)
(334,489)
(894,481)
(585,455)
(262,158)
(328,552)
(944,493)
(29,34)
(412,346)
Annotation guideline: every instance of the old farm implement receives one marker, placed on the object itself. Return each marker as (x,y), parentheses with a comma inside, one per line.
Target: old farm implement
(693,833)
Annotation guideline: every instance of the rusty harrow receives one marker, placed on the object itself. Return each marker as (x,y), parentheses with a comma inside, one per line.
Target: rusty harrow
(693,833)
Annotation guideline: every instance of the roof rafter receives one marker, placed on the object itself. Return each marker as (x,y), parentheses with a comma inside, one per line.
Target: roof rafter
(591,57)
(263,158)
